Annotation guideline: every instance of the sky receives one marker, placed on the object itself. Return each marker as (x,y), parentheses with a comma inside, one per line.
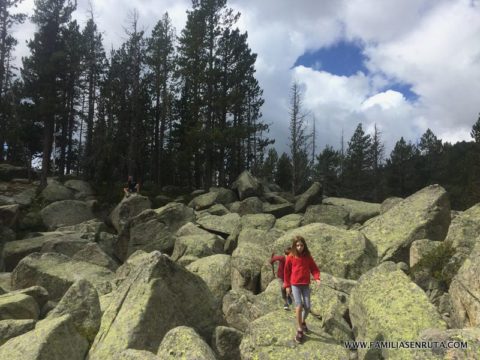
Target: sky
(402,65)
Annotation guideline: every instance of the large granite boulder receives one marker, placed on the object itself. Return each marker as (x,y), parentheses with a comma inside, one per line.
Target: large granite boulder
(16,250)
(273,335)
(215,271)
(214,196)
(358,211)
(388,203)
(221,225)
(463,235)
(192,247)
(66,213)
(57,272)
(278,210)
(251,205)
(128,208)
(342,253)
(153,230)
(82,189)
(387,305)
(18,306)
(155,297)
(289,222)
(465,291)
(52,339)
(464,344)
(328,214)
(13,328)
(93,253)
(258,221)
(246,186)
(82,303)
(183,342)
(226,342)
(312,196)
(423,215)
(54,191)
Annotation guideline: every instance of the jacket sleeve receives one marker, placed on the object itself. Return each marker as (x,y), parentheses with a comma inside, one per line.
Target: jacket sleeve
(275,258)
(287,272)
(314,269)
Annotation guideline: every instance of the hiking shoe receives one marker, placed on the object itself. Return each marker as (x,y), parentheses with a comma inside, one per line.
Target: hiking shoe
(299,336)
(285,307)
(289,300)
(305,328)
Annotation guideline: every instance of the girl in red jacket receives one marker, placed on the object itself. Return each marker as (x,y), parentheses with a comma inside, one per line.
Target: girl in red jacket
(298,267)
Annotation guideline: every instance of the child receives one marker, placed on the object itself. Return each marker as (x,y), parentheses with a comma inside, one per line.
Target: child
(280,272)
(132,187)
(298,266)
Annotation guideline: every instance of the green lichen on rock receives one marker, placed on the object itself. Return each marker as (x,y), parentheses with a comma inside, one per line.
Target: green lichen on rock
(272,337)
(183,343)
(51,339)
(387,305)
(423,215)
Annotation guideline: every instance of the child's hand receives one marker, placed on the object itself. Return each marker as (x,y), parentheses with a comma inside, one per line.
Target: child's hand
(318,282)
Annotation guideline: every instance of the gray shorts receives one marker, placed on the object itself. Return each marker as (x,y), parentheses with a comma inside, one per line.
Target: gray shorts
(301,295)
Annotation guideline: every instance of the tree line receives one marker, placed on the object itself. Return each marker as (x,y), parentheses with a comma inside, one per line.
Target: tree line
(362,171)
(171,109)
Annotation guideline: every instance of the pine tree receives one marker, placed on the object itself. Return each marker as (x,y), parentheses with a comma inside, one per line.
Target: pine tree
(284,172)
(358,165)
(160,61)
(94,65)
(475,133)
(376,153)
(269,169)
(41,69)
(7,45)
(327,170)
(401,172)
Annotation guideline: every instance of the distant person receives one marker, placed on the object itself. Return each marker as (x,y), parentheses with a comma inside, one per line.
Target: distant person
(280,273)
(132,187)
(298,267)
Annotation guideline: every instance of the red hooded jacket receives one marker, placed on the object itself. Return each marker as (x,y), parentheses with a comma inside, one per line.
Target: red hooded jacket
(298,269)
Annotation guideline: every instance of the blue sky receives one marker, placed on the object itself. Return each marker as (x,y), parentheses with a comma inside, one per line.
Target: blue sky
(402,65)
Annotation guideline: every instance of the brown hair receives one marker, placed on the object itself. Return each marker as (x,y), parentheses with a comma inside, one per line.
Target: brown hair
(294,252)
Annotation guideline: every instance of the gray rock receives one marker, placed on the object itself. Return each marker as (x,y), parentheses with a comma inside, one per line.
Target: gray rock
(93,253)
(51,339)
(246,186)
(312,196)
(65,213)
(278,210)
(82,303)
(423,215)
(289,222)
(222,225)
(128,208)
(157,296)
(358,211)
(226,342)
(251,205)
(55,191)
(388,203)
(215,271)
(183,342)
(196,246)
(11,328)
(465,292)
(328,214)
(258,221)
(18,306)
(387,305)
(57,272)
